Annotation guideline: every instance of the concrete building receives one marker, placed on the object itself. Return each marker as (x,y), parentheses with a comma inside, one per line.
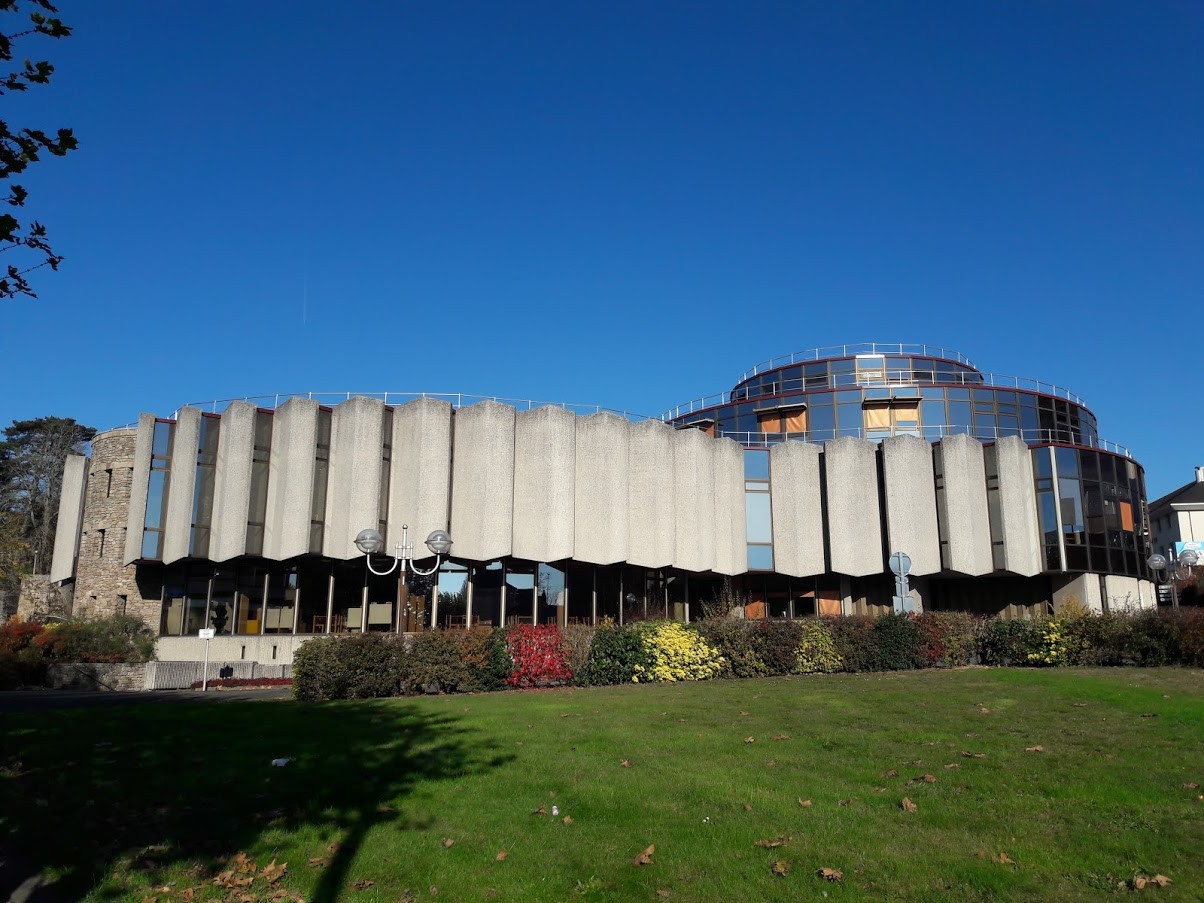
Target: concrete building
(1178,518)
(789,492)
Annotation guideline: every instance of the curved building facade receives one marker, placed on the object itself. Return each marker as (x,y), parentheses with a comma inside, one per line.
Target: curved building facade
(785,496)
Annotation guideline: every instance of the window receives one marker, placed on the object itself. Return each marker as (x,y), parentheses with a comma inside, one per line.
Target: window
(156,489)
(100,544)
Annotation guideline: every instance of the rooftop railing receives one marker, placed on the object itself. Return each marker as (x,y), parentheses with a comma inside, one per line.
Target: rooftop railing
(830,351)
(457,400)
(853,380)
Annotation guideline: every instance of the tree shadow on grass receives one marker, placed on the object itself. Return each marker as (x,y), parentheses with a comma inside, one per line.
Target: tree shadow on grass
(90,796)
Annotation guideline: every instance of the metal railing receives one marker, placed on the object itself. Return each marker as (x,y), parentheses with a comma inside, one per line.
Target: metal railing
(457,400)
(932,434)
(890,378)
(818,354)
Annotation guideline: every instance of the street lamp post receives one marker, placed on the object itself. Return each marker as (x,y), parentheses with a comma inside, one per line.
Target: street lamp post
(370,542)
(1173,571)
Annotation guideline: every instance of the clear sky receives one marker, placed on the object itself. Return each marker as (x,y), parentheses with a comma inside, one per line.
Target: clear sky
(618,203)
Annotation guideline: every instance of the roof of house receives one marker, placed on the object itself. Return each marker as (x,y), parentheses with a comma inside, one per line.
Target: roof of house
(1189,494)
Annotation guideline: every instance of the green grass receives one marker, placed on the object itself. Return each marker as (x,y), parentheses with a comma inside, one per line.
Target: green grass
(122,802)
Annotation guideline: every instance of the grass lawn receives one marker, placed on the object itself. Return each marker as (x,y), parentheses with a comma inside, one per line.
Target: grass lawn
(417,799)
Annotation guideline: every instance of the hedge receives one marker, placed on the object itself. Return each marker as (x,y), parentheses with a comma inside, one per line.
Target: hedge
(27,647)
(542,656)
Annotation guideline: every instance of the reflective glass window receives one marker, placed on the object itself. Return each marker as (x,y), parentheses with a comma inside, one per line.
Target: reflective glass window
(756,464)
(757,514)
(760,558)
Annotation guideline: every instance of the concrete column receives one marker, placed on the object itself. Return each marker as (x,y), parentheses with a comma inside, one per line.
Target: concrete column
(1083,589)
(177,533)
(1123,592)
(353,493)
(694,508)
(910,490)
(421,469)
(544,484)
(854,521)
(136,519)
(232,482)
(482,502)
(796,499)
(731,532)
(1022,541)
(650,526)
(290,479)
(601,493)
(71,513)
(965,506)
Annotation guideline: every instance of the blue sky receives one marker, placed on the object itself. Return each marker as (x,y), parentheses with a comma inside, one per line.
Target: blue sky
(626,204)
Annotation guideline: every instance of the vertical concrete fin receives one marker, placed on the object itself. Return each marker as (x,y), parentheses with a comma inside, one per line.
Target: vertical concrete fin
(910,490)
(136,519)
(482,506)
(232,482)
(796,500)
(964,506)
(731,533)
(544,484)
(291,479)
(693,508)
(177,532)
(353,493)
(1022,541)
(420,486)
(602,454)
(854,520)
(650,528)
(71,512)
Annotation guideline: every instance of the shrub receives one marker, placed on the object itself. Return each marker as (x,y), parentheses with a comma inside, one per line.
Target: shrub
(250,682)
(1154,638)
(776,643)
(676,652)
(578,639)
(25,668)
(539,656)
(853,640)
(816,652)
(1191,636)
(1051,644)
(434,664)
(357,667)
(897,643)
(733,639)
(947,638)
(16,635)
(486,658)
(1009,642)
(120,638)
(613,656)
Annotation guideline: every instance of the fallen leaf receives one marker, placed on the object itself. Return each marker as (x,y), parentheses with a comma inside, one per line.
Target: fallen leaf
(542,810)
(907,805)
(844,802)
(983,710)
(744,713)
(1149,714)
(448,843)
(316,861)
(971,755)
(273,873)
(952,766)
(1003,859)
(750,739)
(564,714)
(772,763)
(663,892)
(806,804)
(929,779)
(385,809)
(890,774)
(1079,705)
(568,819)
(830,874)
(363,884)
(1161,880)
(334,846)
(781,868)
(781,737)
(1190,785)
(770,844)
(1140,881)
(625,763)
(645,858)
(501,856)
(1034,749)
(748,807)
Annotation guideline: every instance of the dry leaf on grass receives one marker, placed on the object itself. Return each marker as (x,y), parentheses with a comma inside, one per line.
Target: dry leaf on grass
(744,713)
(385,809)
(983,710)
(952,766)
(663,892)
(1190,785)
(626,763)
(568,819)
(501,855)
(893,773)
(750,739)
(1034,749)
(907,805)
(748,807)
(781,737)
(973,755)
(542,810)
(770,844)
(448,843)
(830,874)
(362,884)
(317,861)
(334,846)
(1149,714)
(806,804)
(781,868)
(1003,859)
(847,802)
(645,858)
(771,763)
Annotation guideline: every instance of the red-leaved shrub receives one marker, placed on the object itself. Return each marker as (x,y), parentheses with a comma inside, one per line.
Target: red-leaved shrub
(539,656)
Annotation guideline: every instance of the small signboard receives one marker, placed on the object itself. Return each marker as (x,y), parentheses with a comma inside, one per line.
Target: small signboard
(206,633)
(1196,546)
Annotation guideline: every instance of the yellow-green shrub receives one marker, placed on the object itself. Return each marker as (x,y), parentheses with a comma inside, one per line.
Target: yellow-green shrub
(676,652)
(816,651)
(1053,644)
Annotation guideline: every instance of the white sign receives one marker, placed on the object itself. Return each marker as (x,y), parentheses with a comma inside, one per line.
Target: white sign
(206,633)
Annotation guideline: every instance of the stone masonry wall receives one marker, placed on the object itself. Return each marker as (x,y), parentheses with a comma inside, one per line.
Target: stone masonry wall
(64,676)
(39,598)
(103,585)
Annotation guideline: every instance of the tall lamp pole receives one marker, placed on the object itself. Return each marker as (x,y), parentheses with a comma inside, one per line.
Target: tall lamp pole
(370,542)
(1173,571)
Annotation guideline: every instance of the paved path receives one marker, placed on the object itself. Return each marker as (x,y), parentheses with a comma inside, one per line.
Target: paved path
(46,700)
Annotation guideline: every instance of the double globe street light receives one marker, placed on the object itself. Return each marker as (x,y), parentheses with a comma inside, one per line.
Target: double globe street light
(370,542)
(1173,571)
